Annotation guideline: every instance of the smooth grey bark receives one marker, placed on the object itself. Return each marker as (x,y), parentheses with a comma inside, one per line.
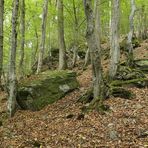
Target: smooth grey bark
(139,25)
(143,19)
(12,61)
(97,31)
(130,57)
(22,32)
(61,40)
(142,23)
(97,23)
(43,35)
(95,53)
(75,50)
(114,39)
(49,40)
(1,36)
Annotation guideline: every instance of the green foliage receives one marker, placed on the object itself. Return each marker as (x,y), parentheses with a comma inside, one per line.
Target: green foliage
(33,25)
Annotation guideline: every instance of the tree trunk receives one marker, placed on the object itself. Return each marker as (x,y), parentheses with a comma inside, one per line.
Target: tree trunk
(62,47)
(42,43)
(95,52)
(12,62)
(97,23)
(114,39)
(143,22)
(87,58)
(1,36)
(130,57)
(75,50)
(22,31)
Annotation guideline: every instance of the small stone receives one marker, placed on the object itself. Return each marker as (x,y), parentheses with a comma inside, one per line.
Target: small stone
(138,106)
(64,88)
(112,132)
(113,135)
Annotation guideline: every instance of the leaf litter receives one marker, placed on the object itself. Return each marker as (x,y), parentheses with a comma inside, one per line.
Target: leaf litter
(62,125)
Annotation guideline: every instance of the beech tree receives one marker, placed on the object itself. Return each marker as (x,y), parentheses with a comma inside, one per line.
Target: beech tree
(43,36)
(12,61)
(95,53)
(130,34)
(97,23)
(1,36)
(22,32)
(75,48)
(114,39)
(61,40)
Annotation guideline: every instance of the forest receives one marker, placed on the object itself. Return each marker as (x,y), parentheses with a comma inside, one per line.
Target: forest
(73,74)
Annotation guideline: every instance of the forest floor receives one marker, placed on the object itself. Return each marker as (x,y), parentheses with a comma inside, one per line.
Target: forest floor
(61,125)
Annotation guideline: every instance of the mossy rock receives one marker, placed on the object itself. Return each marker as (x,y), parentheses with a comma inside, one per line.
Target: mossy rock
(121,92)
(113,90)
(127,73)
(141,82)
(142,64)
(123,43)
(49,62)
(46,88)
(130,77)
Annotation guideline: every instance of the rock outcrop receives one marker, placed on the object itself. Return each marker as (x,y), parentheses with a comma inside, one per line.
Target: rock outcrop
(40,90)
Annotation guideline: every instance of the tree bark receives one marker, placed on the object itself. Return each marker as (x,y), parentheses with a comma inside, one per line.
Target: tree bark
(62,47)
(22,31)
(87,58)
(95,52)
(42,43)
(97,23)
(75,50)
(114,39)
(1,36)
(130,57)
(12,62)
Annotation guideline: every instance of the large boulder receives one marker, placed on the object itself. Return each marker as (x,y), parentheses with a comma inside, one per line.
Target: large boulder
(40,90)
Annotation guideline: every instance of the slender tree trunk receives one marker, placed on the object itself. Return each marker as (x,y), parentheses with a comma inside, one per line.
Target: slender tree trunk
(62,47)
(75,50)
(143,22)
(22,31)
(130,57)
(110,20)
(95,52)
(42,43)
(49,40)
(37,45)
(97,23)
(139,24)
(87,58)
(114,39)
(1,36)
(12,62)
(34,55)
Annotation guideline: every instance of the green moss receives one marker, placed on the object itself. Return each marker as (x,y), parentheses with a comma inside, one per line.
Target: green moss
(121,82)
(121,92)
(36,79)
(142,64)
(46,88)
